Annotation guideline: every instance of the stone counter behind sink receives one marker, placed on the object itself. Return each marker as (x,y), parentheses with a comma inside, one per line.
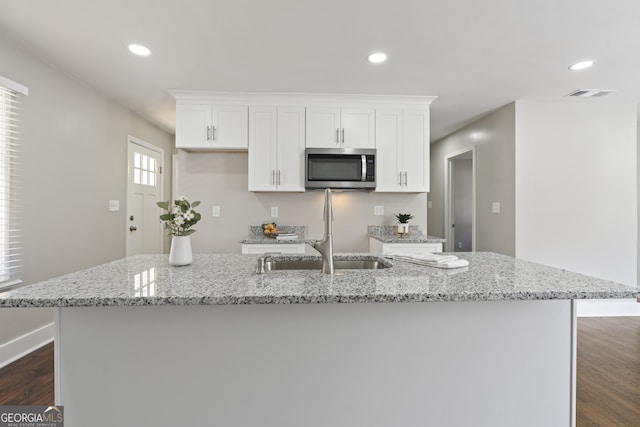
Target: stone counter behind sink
(257,237)
(387,234)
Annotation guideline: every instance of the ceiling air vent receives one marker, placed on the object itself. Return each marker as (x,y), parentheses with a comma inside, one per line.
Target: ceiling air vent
(590,92)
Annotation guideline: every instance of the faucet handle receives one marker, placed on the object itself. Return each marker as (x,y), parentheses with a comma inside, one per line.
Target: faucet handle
(261,265)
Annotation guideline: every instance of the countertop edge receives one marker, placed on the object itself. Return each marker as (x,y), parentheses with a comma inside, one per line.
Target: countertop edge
(317,299)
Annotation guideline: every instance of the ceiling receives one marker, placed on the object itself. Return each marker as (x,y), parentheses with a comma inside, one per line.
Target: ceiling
(475,56)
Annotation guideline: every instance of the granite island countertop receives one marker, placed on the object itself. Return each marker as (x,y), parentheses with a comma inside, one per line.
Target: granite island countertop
(215,279)
(387,234)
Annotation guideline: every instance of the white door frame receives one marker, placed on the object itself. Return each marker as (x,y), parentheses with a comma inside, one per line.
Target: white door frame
(449,245)
(175,169)
(133,140)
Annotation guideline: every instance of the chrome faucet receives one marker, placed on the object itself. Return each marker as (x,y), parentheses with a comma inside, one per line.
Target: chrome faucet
(261,267)
(325,246)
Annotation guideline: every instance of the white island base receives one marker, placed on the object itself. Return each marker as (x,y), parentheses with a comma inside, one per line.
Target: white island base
(503,363)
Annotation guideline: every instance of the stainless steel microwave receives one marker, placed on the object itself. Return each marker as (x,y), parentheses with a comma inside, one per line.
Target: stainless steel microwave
(346,168)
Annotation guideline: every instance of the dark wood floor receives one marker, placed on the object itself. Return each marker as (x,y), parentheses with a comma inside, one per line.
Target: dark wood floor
(608,372)
(608,375)
(29,380)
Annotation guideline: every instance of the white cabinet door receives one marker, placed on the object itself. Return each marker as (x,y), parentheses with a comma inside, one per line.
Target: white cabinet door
(289,248)
(416,150)
(388,150)
(376,246)
(332,127)
(290,150)
(402,147)
(357,128)
(323,127)
(211,127)
(276,148)
(262,148)
(193,126)
(230,126)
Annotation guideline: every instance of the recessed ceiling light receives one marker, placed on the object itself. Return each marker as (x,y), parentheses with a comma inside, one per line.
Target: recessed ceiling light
(140,50)
(377,57)
(581,65)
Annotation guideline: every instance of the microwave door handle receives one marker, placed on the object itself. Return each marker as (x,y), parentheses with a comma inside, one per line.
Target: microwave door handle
(364,168)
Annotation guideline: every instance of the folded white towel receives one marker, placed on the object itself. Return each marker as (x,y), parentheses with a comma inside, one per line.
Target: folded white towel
(431,257)
(433,260)
(450,264)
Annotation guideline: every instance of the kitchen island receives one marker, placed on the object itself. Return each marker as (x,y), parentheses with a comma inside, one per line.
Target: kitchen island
(142,343)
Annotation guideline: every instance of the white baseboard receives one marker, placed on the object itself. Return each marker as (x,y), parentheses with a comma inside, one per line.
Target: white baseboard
(608,308)
(25,344)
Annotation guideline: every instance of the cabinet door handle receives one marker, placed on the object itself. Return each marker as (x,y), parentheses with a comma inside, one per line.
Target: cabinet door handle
(337,135)
(400,178)
(405,178)
(273,177)
(278,175)
(343,135)
(213,133)
(208,133)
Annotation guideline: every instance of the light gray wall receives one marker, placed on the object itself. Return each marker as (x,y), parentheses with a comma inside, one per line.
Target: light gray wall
(576,186)
(494,137)
(462,189)
(221,179)
(74,162)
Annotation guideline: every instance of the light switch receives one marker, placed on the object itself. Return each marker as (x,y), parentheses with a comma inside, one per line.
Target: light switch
(216,210)
(378,210)
(274,212)
(114,205)
(495,207)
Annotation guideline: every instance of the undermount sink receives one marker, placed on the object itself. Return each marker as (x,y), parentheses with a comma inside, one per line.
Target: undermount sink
(367,264)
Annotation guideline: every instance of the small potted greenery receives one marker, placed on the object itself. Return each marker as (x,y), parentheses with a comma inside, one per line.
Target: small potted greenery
(403,223)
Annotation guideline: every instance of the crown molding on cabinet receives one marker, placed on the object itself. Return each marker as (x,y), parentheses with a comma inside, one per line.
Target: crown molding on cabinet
(306,99)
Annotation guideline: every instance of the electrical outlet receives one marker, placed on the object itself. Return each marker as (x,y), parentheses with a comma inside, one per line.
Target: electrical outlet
(274,212)
(216,210)
(429,204)
(378,210)
(495,207)
(459,245)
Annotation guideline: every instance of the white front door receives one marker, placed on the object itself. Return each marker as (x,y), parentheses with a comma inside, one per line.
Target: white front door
(144,190)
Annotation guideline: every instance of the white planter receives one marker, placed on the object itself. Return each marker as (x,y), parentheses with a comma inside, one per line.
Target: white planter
(180,253)
(402,228)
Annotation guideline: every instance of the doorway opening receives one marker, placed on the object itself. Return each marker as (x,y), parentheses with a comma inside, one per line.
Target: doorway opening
(144,190)
(460,201)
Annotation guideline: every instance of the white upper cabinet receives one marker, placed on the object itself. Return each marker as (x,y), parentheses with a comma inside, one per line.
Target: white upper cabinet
(389,150)
(276,128)
(276,148)
(211,127)
(335,127)
(416,150)
(402,148)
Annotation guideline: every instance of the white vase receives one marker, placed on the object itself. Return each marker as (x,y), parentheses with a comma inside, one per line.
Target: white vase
(180,253)
(402,229)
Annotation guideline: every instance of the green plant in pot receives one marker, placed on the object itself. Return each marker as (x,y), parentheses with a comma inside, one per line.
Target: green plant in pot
(403,223)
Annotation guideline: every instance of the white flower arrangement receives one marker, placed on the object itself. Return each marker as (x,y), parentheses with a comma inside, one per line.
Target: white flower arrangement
(180,216)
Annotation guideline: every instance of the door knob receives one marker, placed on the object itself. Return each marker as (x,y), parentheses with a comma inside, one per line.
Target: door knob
(133,228)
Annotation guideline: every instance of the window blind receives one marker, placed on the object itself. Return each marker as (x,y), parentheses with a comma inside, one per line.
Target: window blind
(10,214)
